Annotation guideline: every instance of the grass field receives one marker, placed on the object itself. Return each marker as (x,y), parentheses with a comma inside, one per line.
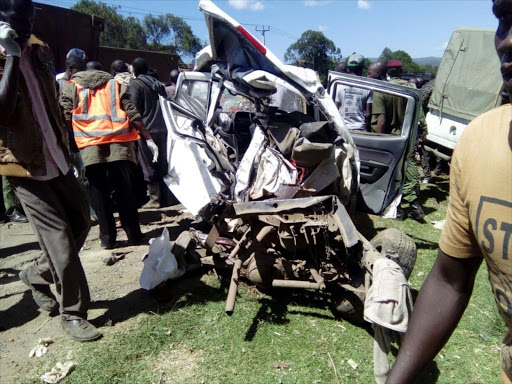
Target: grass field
(290,338)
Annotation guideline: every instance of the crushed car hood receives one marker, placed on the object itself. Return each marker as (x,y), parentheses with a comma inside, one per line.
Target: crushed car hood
(241,53)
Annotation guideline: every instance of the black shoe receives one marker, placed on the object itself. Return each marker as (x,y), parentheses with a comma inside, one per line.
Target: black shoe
(43,296)
(142,240)
(4,219)
(17,218)
(80,329)
(415,211)
(109,246)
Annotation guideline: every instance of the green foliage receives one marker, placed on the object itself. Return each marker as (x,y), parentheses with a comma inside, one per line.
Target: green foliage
(429,68)
(119,32)
(164,33)
(409,66)
(386,55)
(314,48)
(169,33)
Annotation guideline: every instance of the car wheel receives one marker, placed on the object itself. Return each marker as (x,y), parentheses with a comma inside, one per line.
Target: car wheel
(393,241)
(349,305)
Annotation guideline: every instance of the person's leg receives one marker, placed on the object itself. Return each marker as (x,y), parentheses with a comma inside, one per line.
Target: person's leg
(411,189)
(122,174)
(151,174)
(58,212)
(13,208)
(99,185)
(3,216)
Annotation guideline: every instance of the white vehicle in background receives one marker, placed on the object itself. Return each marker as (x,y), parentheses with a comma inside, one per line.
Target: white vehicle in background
(467,84)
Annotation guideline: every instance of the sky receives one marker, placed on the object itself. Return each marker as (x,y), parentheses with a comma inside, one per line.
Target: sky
(420,27)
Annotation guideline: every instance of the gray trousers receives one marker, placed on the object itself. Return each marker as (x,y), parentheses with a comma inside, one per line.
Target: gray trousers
(58,211)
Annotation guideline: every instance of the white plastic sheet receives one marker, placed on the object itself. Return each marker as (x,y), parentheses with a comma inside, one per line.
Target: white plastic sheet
(161,264)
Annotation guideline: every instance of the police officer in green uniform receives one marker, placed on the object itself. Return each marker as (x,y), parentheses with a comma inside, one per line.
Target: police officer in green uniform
(387,117)
(412,184)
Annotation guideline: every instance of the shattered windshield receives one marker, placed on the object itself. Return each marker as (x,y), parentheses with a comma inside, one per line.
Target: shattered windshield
(232,103)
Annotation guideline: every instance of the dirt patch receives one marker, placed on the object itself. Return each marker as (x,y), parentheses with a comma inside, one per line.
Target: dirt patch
(177,364)
(117,299)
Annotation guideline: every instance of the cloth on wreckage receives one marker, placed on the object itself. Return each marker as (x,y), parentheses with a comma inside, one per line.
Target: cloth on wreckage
(387,306)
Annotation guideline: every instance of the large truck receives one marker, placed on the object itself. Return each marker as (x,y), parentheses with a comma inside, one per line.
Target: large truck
(63,29)
(468,83)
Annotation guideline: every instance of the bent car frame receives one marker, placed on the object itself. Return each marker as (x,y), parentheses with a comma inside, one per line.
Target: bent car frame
(258,150)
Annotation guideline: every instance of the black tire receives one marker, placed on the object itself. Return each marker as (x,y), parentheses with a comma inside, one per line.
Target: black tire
(426,91)
(392,241)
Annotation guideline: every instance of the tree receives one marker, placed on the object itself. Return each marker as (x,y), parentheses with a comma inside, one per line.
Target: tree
(164,33)
(169,33)
(315,48)
(409,66)
(429,68)
(119,32)
(386,55)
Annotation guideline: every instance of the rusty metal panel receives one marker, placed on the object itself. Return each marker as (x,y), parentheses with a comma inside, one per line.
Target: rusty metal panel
(63,29)
(163,63)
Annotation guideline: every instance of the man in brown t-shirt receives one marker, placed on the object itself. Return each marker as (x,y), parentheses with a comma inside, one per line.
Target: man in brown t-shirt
(478,227)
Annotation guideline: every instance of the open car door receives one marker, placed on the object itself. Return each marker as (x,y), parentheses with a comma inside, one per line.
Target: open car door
(382,155)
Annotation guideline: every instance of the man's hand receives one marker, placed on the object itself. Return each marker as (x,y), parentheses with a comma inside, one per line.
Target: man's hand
(440,304)
(153,148)
(7,36)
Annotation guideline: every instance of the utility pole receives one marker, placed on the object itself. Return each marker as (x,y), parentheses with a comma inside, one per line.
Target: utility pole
(263,30)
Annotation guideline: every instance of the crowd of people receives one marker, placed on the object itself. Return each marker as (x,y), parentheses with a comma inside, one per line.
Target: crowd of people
(101,124)
(363,110)
(85,136)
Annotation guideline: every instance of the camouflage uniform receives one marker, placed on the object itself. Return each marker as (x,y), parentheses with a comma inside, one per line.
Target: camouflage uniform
(412,184)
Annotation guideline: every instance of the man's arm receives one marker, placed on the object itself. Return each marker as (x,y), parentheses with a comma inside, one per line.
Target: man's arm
(9,87)
(133,113)
(381,123)
(68,101)
(441,302)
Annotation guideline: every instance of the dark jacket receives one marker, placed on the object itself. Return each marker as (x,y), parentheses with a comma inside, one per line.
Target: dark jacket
(69,100)
(145,91)
(21,146)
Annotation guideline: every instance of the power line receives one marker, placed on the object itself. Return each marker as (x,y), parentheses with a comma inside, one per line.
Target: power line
(128,10)
(263,30)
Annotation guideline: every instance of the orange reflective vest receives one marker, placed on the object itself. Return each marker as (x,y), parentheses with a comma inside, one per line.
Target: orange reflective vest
(99,119)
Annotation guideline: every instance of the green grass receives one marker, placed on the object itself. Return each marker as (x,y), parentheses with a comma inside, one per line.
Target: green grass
(290,338)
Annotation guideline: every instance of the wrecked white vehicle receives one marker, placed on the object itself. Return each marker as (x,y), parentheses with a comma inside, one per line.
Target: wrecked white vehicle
(259,150)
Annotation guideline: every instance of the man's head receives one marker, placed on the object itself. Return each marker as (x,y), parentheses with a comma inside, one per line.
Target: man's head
(342,67)
(118,66)
(74,64)
(503,11)
(94,66)
(140,67)
(378,70)
(153,73)
(173,76)
(355,64)
(78,53)
(394,68)
(20,14)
